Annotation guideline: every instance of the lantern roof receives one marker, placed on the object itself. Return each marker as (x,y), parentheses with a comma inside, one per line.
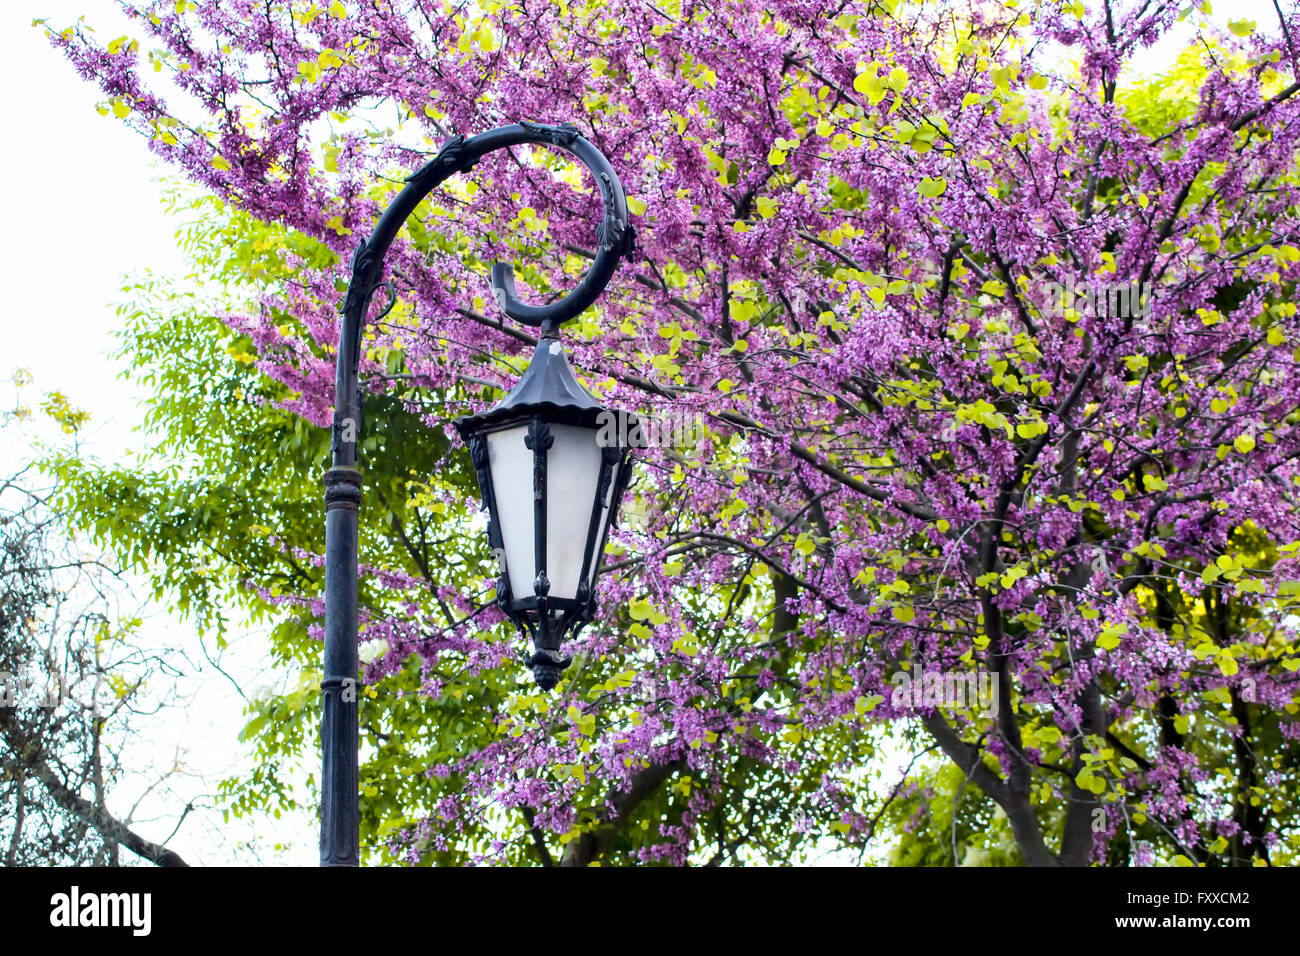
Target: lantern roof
(548,387)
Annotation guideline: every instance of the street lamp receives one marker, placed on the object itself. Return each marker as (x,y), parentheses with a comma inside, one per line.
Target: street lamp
(549,544)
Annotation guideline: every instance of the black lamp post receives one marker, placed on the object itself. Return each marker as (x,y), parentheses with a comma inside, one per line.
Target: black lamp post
(549,435)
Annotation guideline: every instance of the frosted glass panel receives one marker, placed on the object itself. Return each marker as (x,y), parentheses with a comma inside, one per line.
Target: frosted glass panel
(572,470)
(571,474)
(511,462)
(604,519)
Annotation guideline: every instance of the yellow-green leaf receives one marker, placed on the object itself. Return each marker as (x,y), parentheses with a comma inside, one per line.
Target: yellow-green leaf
(932,188)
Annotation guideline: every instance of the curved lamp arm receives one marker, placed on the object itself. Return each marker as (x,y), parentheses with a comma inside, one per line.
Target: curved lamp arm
(614,235)
(339,691)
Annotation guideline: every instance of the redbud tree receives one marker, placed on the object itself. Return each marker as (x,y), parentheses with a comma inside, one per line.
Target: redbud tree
(988,345)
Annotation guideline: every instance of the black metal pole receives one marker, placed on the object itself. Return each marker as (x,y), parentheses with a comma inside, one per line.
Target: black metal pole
(340,688)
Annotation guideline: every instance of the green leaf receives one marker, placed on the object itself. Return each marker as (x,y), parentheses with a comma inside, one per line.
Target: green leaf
(932,188)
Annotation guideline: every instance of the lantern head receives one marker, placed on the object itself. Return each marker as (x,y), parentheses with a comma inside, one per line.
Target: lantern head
(552,467)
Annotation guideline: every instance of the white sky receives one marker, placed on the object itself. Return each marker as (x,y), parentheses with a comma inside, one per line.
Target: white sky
(84,211)
(83,200)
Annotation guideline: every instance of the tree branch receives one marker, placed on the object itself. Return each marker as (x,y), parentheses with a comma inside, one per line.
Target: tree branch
(112,829)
